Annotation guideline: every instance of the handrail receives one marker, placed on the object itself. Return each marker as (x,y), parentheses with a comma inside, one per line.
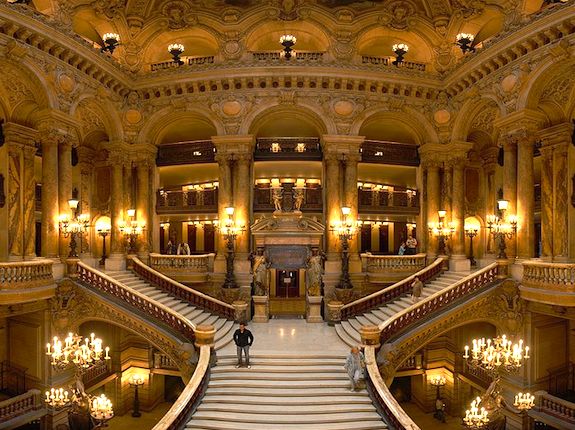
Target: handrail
(196,263)
(385,400)
(379,298)
(20,405)
(475,281)
(392,262)
(182,292)
(187,401)
(548,404)
(106,284)
(14,273)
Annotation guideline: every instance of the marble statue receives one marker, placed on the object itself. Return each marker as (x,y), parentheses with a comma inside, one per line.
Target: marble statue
(298,198)
(314,273)
(277,197)
(260,272)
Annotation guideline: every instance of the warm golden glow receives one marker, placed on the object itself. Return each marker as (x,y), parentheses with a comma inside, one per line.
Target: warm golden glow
(495,354)
(476,417)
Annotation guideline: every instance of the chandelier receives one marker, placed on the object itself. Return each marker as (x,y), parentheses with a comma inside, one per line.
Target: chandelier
(499,353)
(101,408)
(288,41)
(465,42)
(83,352)
(400,49)
(111,42)
(524,401)
(175,50)
(476,417)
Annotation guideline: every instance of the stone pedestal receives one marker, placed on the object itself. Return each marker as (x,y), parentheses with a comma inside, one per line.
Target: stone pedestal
(205,335)
(261,309)
(334,311)
(72,267)
(58,269)
(459,263)
(240,311)
(503,269)
(516,270)
(115,263)
(370,335)
(313,309)
(344,295)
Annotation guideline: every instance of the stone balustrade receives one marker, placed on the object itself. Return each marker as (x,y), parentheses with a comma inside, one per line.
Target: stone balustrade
(192,267)
(163,361)
(385,401)
(189,295)
(390,268)
(19,405)
(25,274)
(547,404)
(386,295)
(552,283)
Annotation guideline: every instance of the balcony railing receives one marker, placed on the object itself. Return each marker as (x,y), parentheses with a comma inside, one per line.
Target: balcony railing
(387,268)
(184,268)
(287,148)
(194,152)
(546,404)
(26,403)
(552,283)
(163,361)
(188,61)
(370,201)
(27,274)
(177,201)
(388,61)
(381,152)
(298,56)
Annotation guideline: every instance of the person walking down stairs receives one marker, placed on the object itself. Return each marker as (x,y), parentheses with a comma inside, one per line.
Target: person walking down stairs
(243,339)
(354,364)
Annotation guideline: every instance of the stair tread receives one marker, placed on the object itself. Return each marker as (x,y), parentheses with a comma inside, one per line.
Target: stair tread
(202,424)
(282,410)
(249,417)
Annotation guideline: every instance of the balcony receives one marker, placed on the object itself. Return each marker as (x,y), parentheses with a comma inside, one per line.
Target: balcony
(288,148)
(551,283)
(387,269)
(263,198)
(388,61)
(381,152)
(179,201)
(298,56)
(188,61)
(392,201)
(194,152)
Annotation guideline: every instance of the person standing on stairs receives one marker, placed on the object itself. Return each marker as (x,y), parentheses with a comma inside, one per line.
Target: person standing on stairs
(416,290)
(243,339)
(354,364)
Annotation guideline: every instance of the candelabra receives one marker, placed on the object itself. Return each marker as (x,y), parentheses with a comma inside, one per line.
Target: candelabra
(230,230)
(288,41)
(75,227)
(176,50)
(465,42)
(101,410)
(502,226)
(103,230)
(400,49)
(524,401)
(495,354)
(83,352)
(345,229)
(442,230)
(438,381)
(476,417)
(136,381)
(471,232)
(132,229)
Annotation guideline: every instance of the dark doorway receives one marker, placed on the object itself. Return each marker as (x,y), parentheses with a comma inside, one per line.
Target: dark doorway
(384,239)
(366,238)
(192,237)
(209,238)
(287,285)
(38,239)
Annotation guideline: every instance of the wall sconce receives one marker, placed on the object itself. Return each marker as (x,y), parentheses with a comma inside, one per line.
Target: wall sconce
(502,226)
(300,147)
(288,41)
(111,42)
(276,147)
(345,230)
(442,230)
(175,50)
(465,42)
(131,229)
(74,227)
(471,231)
(400,49)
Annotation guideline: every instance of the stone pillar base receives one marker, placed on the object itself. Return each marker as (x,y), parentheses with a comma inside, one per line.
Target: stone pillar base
(58,269)
(261,309)
(72,267)
(344,295)
(246,296)
(313,309)
(334,311)
(115,263)
(240,311)
(459,263)
(370,335)
(503,270)
(516,270)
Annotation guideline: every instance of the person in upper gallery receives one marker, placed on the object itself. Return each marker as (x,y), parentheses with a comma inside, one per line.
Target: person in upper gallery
(183,249)
(411,244)
(402,249)
(243,339)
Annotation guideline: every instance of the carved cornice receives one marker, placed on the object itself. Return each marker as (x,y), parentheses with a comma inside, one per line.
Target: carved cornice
(558,135)
(234,145)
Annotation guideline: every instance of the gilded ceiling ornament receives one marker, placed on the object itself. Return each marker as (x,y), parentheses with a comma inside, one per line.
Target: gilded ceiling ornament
(288,10)
(109,8)
(176,12)
(399,14)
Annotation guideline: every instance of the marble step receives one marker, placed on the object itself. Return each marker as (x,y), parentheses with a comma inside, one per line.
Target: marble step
(257,374)
(283,392)
(295,359)
(318,400)
(274,369)
(314,410)
(202,424)
(278,418)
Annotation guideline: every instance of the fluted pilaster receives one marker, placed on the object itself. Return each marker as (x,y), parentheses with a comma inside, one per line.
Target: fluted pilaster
(50,204)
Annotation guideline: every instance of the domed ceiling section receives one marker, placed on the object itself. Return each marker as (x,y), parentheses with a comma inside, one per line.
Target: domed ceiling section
(232,27)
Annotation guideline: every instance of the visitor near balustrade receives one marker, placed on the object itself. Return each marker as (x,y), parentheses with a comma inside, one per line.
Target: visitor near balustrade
(411,244)
(243,339)
(402,249)
(183,249)
(355,364)
(416,289)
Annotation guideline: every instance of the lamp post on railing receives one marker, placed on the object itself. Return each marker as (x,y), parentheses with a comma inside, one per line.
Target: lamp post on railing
(345,230)
(442,230)
(502,226)
(77,226)
(103,229)
(471,232)
(230,230)
(131,229)
(136,381)
(438,381)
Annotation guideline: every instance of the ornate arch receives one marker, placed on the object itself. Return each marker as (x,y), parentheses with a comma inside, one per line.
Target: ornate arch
(97,115)
(476,114)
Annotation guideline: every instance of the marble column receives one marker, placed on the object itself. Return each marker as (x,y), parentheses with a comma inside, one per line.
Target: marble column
(510,185)
(421,223)
(50,205)
(224,196)
(116,261)
(128,184)
(242,200)
(547,203)
(458,208)
(143,206)
(88,248)
(433,201)
(333,203)
(29,203)
(350,198)
(65,188)
(525,195)
(489,163)
(561,212)
(14,190)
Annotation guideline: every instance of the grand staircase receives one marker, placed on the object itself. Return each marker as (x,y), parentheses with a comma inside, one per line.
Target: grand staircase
(299,391)
(195,315)
(348,330)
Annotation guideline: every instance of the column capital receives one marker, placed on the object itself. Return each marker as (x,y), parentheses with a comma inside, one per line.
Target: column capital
(223,158)
(341,144)
(560,134)
(234,144)
(18,133)
(489,156)
(525,119)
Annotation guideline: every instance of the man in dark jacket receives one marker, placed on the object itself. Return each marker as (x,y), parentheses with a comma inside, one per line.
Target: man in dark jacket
(243,339)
